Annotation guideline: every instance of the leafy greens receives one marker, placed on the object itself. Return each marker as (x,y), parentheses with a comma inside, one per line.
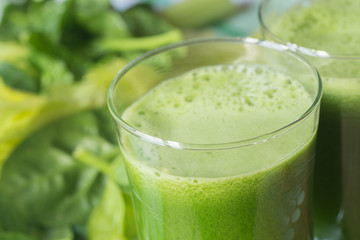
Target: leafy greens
(61,172)
(63,177)
(58,58)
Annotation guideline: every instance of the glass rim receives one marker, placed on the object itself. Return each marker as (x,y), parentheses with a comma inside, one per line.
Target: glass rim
(297,48)
(212,146)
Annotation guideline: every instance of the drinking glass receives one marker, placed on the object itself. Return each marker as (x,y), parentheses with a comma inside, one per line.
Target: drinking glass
(218,139)
(327,34)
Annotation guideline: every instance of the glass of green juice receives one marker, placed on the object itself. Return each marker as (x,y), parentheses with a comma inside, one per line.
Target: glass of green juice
(327,33)
(219,140)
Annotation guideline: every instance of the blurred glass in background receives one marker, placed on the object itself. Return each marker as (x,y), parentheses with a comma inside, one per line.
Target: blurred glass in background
(222,17)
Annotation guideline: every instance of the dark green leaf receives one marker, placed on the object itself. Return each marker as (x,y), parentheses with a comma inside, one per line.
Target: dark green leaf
(47,187)
(49,18)
(143,22)
(106,125)
(14,236)
(100,19)
(60,233)
(11,218)
(14,20)
(53,72)
(43,47)
(17,79)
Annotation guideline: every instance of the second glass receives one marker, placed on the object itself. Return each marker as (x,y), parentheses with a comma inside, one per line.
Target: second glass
(327,33)
(219,141)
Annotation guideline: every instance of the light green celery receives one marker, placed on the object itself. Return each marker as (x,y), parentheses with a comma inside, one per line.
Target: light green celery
(139,43)
(22,113)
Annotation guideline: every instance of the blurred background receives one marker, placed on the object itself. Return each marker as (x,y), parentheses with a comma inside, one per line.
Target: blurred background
(61,171)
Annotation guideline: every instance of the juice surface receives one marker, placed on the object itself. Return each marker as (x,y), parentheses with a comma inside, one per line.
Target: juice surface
(253,192)
(328,25)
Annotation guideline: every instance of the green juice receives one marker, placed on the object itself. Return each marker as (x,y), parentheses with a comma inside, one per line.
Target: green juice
(333,26)
(259,191)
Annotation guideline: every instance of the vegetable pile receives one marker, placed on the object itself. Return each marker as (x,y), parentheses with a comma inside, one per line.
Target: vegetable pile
(61,172)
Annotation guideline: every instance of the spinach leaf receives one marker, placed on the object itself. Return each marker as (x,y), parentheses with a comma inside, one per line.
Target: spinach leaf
(46,185)
(55,180)
(14,236)
(50,18)
(17,79)
(100,19)
(11,218)
(53,72)
(69,48)
(76,61)
(48,188)
(13,21)
(16,70)
(60,233)
(106,125)
(117,174)
(57,59)
(107,219)
(143,22)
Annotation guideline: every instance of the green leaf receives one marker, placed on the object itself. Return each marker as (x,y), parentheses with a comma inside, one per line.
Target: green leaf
(55,179)
(76,62)
(149,31)
(49,18)
(23,113)
(107,219)
(11,218)
(17,79)
(14,236)
(54,175)
(107,125)
(61,233)
(143,22)
(100,19)
(90,159)
(53,72)
(14,19)
(47,187)
(16,70)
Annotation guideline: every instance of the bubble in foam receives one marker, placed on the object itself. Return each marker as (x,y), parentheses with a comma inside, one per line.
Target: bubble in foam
(258,70)
(189,98)
(206,78)
(249,102)
(195,86)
